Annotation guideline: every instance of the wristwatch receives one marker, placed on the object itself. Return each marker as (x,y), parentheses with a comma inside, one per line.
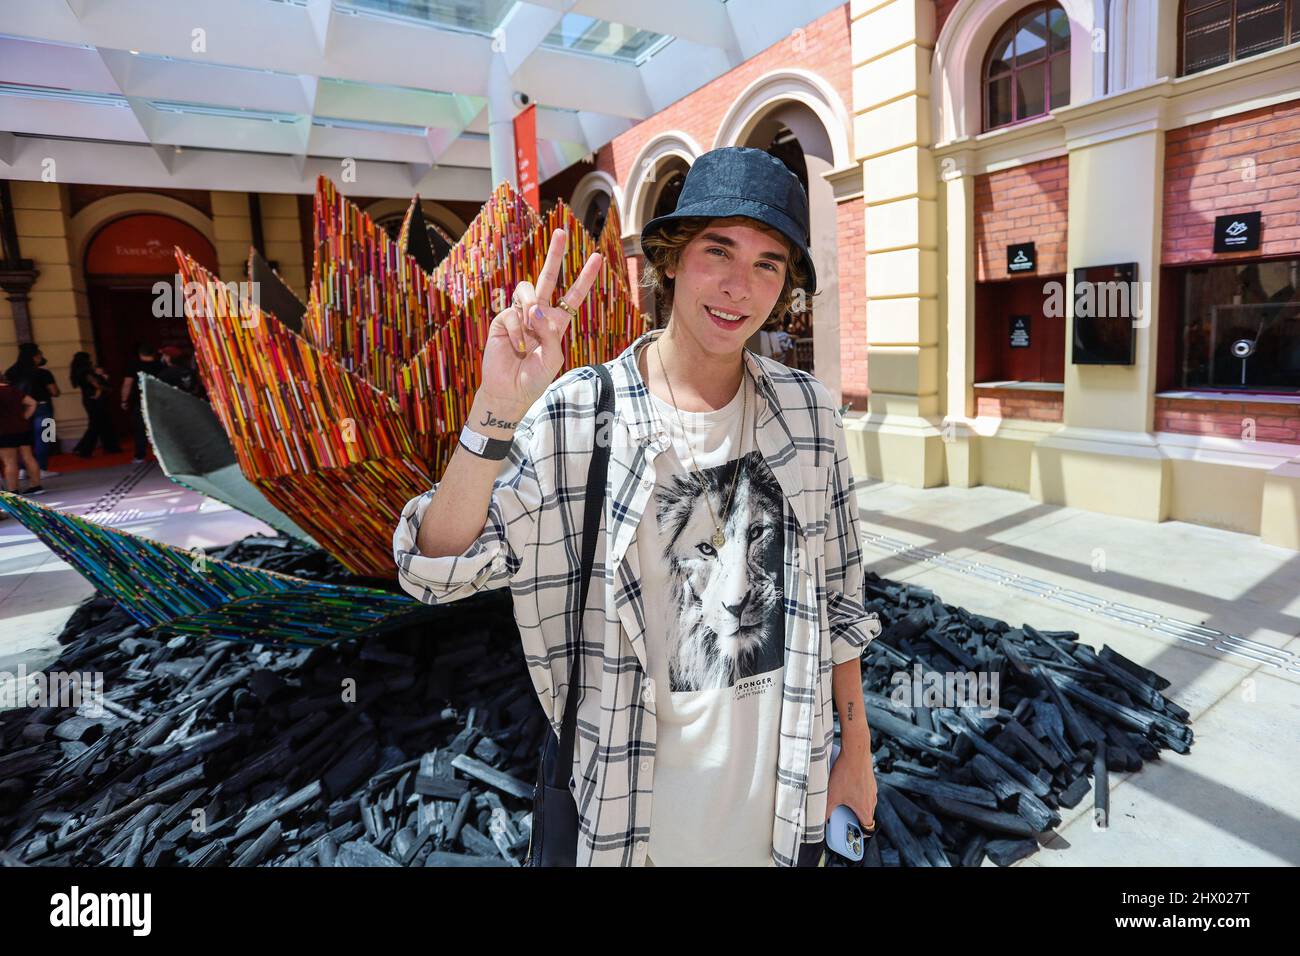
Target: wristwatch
(493,449)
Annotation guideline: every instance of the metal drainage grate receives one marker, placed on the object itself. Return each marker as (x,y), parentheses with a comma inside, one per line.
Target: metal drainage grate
(103,506)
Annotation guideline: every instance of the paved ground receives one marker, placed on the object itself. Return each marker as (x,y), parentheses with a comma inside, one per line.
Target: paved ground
(1234,800)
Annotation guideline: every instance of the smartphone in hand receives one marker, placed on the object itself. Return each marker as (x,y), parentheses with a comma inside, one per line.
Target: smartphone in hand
(844,834)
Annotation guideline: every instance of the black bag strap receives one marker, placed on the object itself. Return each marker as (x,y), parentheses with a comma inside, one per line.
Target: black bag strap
(597,474)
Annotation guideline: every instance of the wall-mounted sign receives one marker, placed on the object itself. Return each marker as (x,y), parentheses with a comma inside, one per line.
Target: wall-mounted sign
(1020,257)
(1108,303)
(1019,331)
(1237,232)
(142,244)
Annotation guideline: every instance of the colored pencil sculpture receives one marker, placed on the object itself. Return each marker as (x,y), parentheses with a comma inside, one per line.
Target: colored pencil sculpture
(324,446)
(181,592)
(340,425)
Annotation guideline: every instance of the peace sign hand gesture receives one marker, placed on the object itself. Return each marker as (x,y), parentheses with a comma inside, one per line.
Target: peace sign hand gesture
(524,349)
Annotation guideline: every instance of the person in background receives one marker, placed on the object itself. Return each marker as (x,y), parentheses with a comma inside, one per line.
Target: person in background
(800,327)
(93,383)
(146,361)
(174,370)
(16,410)
(777,342)
(197,388)
(31,376)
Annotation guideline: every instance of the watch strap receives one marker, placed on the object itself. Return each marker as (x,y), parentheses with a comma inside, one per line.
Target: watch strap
(493,449)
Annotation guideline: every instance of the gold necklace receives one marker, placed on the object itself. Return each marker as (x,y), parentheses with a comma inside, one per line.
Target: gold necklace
(719,539)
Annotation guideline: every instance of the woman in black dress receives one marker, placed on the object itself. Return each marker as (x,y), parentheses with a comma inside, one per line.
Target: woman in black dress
(93,382)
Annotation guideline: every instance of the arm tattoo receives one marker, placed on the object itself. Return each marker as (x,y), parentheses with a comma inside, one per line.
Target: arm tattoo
(498,423)
(850,710)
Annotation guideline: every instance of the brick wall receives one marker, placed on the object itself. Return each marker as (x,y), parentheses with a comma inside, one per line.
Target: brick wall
(1018,403)
(1024,204)
(821,47)
(1192,416)
(850,239)
(1238,163)
(561,185)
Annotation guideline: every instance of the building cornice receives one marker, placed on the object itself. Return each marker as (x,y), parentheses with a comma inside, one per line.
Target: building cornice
(1166,104)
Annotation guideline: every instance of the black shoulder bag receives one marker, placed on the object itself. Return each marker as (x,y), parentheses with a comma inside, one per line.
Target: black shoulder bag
(554,838)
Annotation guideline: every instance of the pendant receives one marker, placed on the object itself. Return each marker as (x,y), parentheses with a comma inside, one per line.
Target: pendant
(719,539)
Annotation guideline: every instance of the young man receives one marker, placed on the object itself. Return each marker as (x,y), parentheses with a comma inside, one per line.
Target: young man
(726,609)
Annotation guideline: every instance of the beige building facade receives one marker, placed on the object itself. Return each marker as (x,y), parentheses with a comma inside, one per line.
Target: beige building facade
(1127,438)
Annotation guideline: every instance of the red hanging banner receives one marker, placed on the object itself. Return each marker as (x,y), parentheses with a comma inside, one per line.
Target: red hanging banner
(526,155)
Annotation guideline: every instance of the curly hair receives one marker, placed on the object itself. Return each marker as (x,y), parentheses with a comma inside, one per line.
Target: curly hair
(663,251)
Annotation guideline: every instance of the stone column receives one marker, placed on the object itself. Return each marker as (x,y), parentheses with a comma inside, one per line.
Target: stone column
(232,235)
(961,445)
(1105,458)
(282,234)
(899,438)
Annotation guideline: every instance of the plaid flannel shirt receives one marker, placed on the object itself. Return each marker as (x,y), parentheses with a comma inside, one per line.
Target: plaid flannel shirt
(531,542)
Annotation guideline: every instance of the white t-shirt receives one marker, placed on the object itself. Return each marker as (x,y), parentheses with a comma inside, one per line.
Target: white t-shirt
(715,640)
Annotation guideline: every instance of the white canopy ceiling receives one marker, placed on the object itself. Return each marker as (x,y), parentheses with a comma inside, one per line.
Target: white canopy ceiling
(264,94)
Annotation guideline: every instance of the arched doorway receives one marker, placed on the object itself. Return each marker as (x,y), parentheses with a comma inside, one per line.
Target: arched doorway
(660,200)
(594,216)
(124,261)
(439,239)
(592,199)
(791,134)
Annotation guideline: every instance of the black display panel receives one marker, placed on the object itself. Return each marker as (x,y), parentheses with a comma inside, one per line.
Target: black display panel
(1107,301)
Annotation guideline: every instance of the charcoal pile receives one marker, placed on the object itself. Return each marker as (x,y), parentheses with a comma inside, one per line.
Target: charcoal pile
(419,748)
(958,783)
(288,556)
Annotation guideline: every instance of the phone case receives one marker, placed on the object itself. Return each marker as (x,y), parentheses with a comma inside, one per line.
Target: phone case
(844,834)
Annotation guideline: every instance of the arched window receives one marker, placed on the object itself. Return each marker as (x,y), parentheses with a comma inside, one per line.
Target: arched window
(1028,68)
(1214,32)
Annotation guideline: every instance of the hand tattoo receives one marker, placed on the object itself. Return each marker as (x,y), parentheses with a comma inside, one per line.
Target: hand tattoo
(496,422)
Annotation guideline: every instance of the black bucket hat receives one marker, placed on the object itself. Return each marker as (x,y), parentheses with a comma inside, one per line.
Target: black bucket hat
(740,181)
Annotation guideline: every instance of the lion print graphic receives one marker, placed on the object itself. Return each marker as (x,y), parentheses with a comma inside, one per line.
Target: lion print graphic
(728,600)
